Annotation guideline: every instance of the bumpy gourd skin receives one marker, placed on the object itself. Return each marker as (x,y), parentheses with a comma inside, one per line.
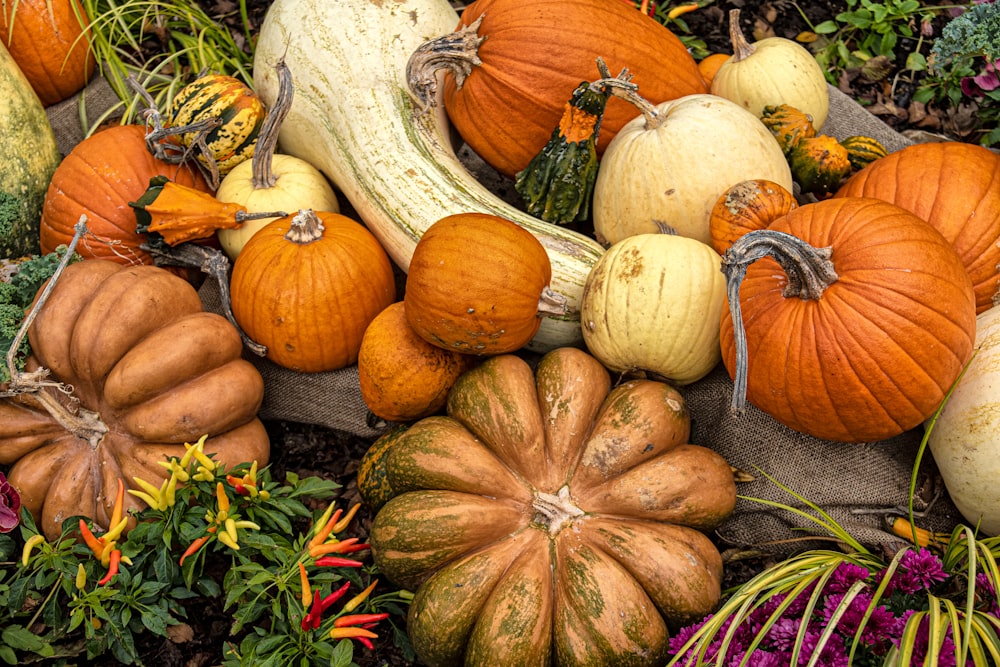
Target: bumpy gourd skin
(546,520)
(144,361)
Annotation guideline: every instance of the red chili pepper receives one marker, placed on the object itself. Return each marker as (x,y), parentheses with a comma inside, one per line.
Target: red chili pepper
(116,557)
(334,561)
(358,619)
(364,641)
(320,605)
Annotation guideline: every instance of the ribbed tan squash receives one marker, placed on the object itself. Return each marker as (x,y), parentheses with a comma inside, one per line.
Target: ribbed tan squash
(546,520)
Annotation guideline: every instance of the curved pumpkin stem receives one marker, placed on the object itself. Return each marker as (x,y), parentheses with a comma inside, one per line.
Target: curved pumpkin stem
(742,49)
(84,424)
(267,140)
(810,271)
(457,52)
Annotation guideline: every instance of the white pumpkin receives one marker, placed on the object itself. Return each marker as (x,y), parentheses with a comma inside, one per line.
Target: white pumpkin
(272,182)
(672,167)
(652,303)
(770,72)
(965,439)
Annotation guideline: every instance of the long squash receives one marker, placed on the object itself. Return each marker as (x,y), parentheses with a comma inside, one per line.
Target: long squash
(353,117)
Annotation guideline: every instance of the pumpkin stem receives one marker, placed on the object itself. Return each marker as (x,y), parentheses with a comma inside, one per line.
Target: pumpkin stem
(810,271)
(305,227)
(624,89)
(457,52)
(553,511)
(742,49)
(267,140)
(552,304)
(84,424)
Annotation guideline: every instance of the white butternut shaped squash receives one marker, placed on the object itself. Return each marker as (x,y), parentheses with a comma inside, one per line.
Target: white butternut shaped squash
(355,119)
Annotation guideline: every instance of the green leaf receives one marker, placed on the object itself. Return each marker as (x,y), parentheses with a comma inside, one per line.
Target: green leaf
(22,639)
(7,548)
(343,654)
(917,62)
(8,656)
(826,28)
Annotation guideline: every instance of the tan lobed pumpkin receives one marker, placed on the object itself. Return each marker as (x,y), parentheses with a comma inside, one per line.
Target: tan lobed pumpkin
(546,520)
(649,174)
(144,370)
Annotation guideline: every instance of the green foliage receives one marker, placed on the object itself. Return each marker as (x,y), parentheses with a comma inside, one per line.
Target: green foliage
(868,30)
(54,606)
(187,41)
(973,33)
(10,213)
(16,296)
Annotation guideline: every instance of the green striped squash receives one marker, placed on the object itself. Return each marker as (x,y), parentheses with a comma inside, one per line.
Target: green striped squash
(231,101)
(862,151)
(549,519)
(28,157)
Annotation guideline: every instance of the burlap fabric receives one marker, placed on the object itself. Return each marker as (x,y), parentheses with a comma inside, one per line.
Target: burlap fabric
(856,484)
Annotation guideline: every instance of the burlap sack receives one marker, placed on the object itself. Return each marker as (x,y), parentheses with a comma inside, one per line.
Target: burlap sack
(856,484)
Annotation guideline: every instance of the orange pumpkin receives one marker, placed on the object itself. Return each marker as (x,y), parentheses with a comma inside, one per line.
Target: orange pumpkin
(49,45)
(534,54)
(710,64)
(861,329)
(747,206)
(956,188)
(402,376)
(307,286)
(479,284)
(99,178)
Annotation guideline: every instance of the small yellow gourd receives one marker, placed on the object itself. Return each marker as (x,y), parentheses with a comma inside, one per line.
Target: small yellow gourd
(272,182)
(770,72)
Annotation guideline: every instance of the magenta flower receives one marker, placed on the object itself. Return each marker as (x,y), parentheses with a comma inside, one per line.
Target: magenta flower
(10,506)
(986,81)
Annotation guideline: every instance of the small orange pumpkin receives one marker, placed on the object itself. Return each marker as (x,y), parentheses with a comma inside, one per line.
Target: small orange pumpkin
(49,45)
(747,206)
(479,284)
(710,64)
(402,376)
(308,285)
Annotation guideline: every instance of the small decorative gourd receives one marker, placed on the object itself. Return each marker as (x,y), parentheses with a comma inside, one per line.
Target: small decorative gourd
(402,376)
(859,328)
(788,125)
(479,284)
(862,150)
(819,164)
(770,72)
(136,370)
(307,286)
(955,187)
(272,182)
(747,206)
(549,519)
(652,303)
(648,175)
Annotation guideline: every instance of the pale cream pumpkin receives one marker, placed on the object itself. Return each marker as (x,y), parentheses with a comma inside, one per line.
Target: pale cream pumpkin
(770,72)
(965,439)
(272,182)
(671,164)
(653,303)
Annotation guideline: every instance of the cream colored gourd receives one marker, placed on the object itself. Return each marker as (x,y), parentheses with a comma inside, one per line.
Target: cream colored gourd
(769,72)
(965,439)
(653,303)
(272,182)
(670,165)
(354,118)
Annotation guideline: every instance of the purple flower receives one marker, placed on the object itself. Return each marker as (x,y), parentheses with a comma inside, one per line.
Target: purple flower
(846,575)
(924,566)
(10,506)
(989,593)
(987,80)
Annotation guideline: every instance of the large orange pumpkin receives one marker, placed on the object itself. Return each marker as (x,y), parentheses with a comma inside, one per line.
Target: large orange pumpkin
(956,188)
(860,331)
(99,178)
(533,57)
(49,45)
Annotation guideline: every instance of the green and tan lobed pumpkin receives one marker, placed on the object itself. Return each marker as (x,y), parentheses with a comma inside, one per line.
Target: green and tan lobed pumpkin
(548,520)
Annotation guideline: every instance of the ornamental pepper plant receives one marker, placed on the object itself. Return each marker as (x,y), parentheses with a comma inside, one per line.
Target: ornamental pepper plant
(296,586)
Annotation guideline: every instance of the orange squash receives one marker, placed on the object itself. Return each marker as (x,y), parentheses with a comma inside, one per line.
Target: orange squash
(956,188)
(402,376)
(747,206)
(530,56)
(99,178)
(46,38)
(479,284)
(307,286)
